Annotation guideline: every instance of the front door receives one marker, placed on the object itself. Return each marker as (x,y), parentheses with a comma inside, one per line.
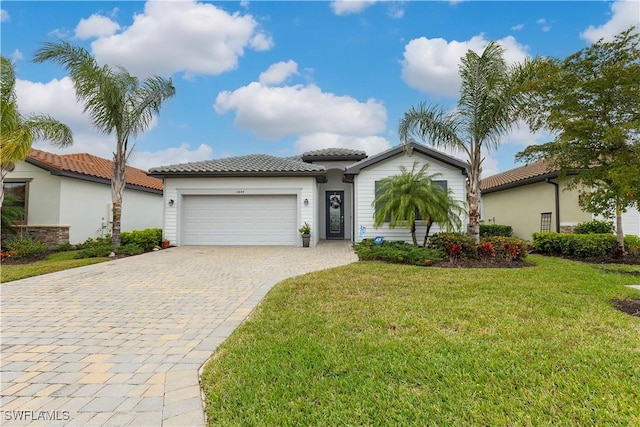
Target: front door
(335,214)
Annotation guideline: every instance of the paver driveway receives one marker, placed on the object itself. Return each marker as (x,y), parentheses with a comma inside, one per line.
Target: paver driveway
(121,343)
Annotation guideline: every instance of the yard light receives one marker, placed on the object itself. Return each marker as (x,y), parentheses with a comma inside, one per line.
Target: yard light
(171,202)
(306,202)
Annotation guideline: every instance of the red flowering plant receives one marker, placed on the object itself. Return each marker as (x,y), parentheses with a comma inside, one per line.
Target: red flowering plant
(453,250)
(486,250)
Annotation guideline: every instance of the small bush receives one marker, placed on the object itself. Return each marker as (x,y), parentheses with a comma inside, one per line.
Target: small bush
(486,250)
(491,230)
(146,239)
(595,227)
(97,242)
(632,244)
(510,248)
(579,245)
(130,249)
(396,252)
(24,246)
(95,252)
(64,247)
(444,242)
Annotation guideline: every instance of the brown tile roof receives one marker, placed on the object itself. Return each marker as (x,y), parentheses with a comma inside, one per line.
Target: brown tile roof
(537,171)
(91,166)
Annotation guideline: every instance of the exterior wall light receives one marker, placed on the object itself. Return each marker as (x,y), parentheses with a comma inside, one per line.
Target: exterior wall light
(306,202)
(172,202)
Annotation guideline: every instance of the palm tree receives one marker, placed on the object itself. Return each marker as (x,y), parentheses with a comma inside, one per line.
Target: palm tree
(444,211)
(489,104)
(400,198)
(116,101)
(18,132)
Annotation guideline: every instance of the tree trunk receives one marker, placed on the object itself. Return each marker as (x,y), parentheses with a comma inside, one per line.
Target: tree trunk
(3,174)
(426,234)
(118,181)
(620,231)
(413,234)
(473,197)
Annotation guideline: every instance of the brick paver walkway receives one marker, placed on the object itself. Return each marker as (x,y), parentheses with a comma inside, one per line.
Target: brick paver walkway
(121,343)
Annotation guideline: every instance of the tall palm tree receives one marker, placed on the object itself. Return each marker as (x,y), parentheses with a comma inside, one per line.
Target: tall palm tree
(490,102)
(400,198)
(18,132)
(116,101)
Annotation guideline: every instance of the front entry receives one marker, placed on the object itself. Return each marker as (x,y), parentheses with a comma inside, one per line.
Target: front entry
(335,214)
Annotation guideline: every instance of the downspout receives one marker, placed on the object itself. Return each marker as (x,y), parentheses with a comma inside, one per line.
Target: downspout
(557,200)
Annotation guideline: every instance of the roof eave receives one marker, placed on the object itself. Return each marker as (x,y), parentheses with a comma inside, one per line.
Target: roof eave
(233,174)
(526,181)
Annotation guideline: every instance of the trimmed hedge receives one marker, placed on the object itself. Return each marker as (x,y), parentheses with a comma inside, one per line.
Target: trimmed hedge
(146,239)
(506,247)
(396,252)
(444,242)
(579,245)
(595,227)
(632,244)
(491,230)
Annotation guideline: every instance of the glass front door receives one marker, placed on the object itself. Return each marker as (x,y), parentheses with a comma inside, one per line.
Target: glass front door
(335,214)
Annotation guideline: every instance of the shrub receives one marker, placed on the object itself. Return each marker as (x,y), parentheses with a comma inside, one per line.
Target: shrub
(490,230)
(486,250)
(396,252)
(632,244)
(64,247)
(146,239)
(510,248)
(95,252)
(130,249)
(579,245)
(24,246)
(443,241)
(97,242)
(595,227)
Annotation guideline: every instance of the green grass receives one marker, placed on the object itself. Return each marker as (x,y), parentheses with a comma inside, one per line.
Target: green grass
(53,262)
(380,344)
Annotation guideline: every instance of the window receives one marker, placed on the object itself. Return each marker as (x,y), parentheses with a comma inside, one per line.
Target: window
(15,195)
(442,184)
(545,222)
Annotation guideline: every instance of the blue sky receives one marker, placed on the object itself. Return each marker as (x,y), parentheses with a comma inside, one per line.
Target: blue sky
(286,77)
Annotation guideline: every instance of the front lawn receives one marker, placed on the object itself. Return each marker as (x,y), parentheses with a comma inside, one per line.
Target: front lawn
(380,344)
(53,262)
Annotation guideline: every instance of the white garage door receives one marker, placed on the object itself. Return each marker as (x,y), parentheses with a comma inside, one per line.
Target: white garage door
(239,220)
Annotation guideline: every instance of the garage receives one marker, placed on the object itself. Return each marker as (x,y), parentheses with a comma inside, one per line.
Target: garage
(239,220)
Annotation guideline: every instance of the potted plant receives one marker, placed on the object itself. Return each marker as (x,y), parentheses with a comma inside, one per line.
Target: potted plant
(305,231)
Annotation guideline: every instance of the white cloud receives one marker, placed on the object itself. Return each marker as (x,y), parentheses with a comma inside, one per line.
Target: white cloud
(170,156)
(59,33)
(17,55)
(347,7)
(276,112)
(96,26)
(431,65)
(370,145)
(521,135)
(396,11)
(624,14)
(278,72)
(169,37)
(4,16)
(517,27)
(541,21)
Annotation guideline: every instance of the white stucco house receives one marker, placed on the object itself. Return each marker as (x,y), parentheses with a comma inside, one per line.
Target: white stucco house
(263,200)
(67,198)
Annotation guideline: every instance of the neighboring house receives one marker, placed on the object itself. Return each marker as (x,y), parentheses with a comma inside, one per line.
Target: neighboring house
(533,198)
(67,198)
(263,200)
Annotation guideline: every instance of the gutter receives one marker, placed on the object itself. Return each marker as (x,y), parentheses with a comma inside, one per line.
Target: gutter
(557,201)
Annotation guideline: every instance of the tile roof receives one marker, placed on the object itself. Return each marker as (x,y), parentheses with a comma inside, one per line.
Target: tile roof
(334,154)
(250,165)
(532,172)
(90,166)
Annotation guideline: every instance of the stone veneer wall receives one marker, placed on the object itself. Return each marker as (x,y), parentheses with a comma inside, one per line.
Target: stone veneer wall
(50,235)
(567,228)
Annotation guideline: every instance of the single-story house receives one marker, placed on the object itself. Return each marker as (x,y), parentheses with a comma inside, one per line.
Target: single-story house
(534,198)
(67,198)
(263,200)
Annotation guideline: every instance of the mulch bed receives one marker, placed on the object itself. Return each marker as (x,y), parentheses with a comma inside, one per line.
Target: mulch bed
(629,306)
(482,263)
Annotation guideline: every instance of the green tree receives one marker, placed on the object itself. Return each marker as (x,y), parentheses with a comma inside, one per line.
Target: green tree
(591,102)
(18,132)
(117,103)
(443,210)
(400,198)
(489,104)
